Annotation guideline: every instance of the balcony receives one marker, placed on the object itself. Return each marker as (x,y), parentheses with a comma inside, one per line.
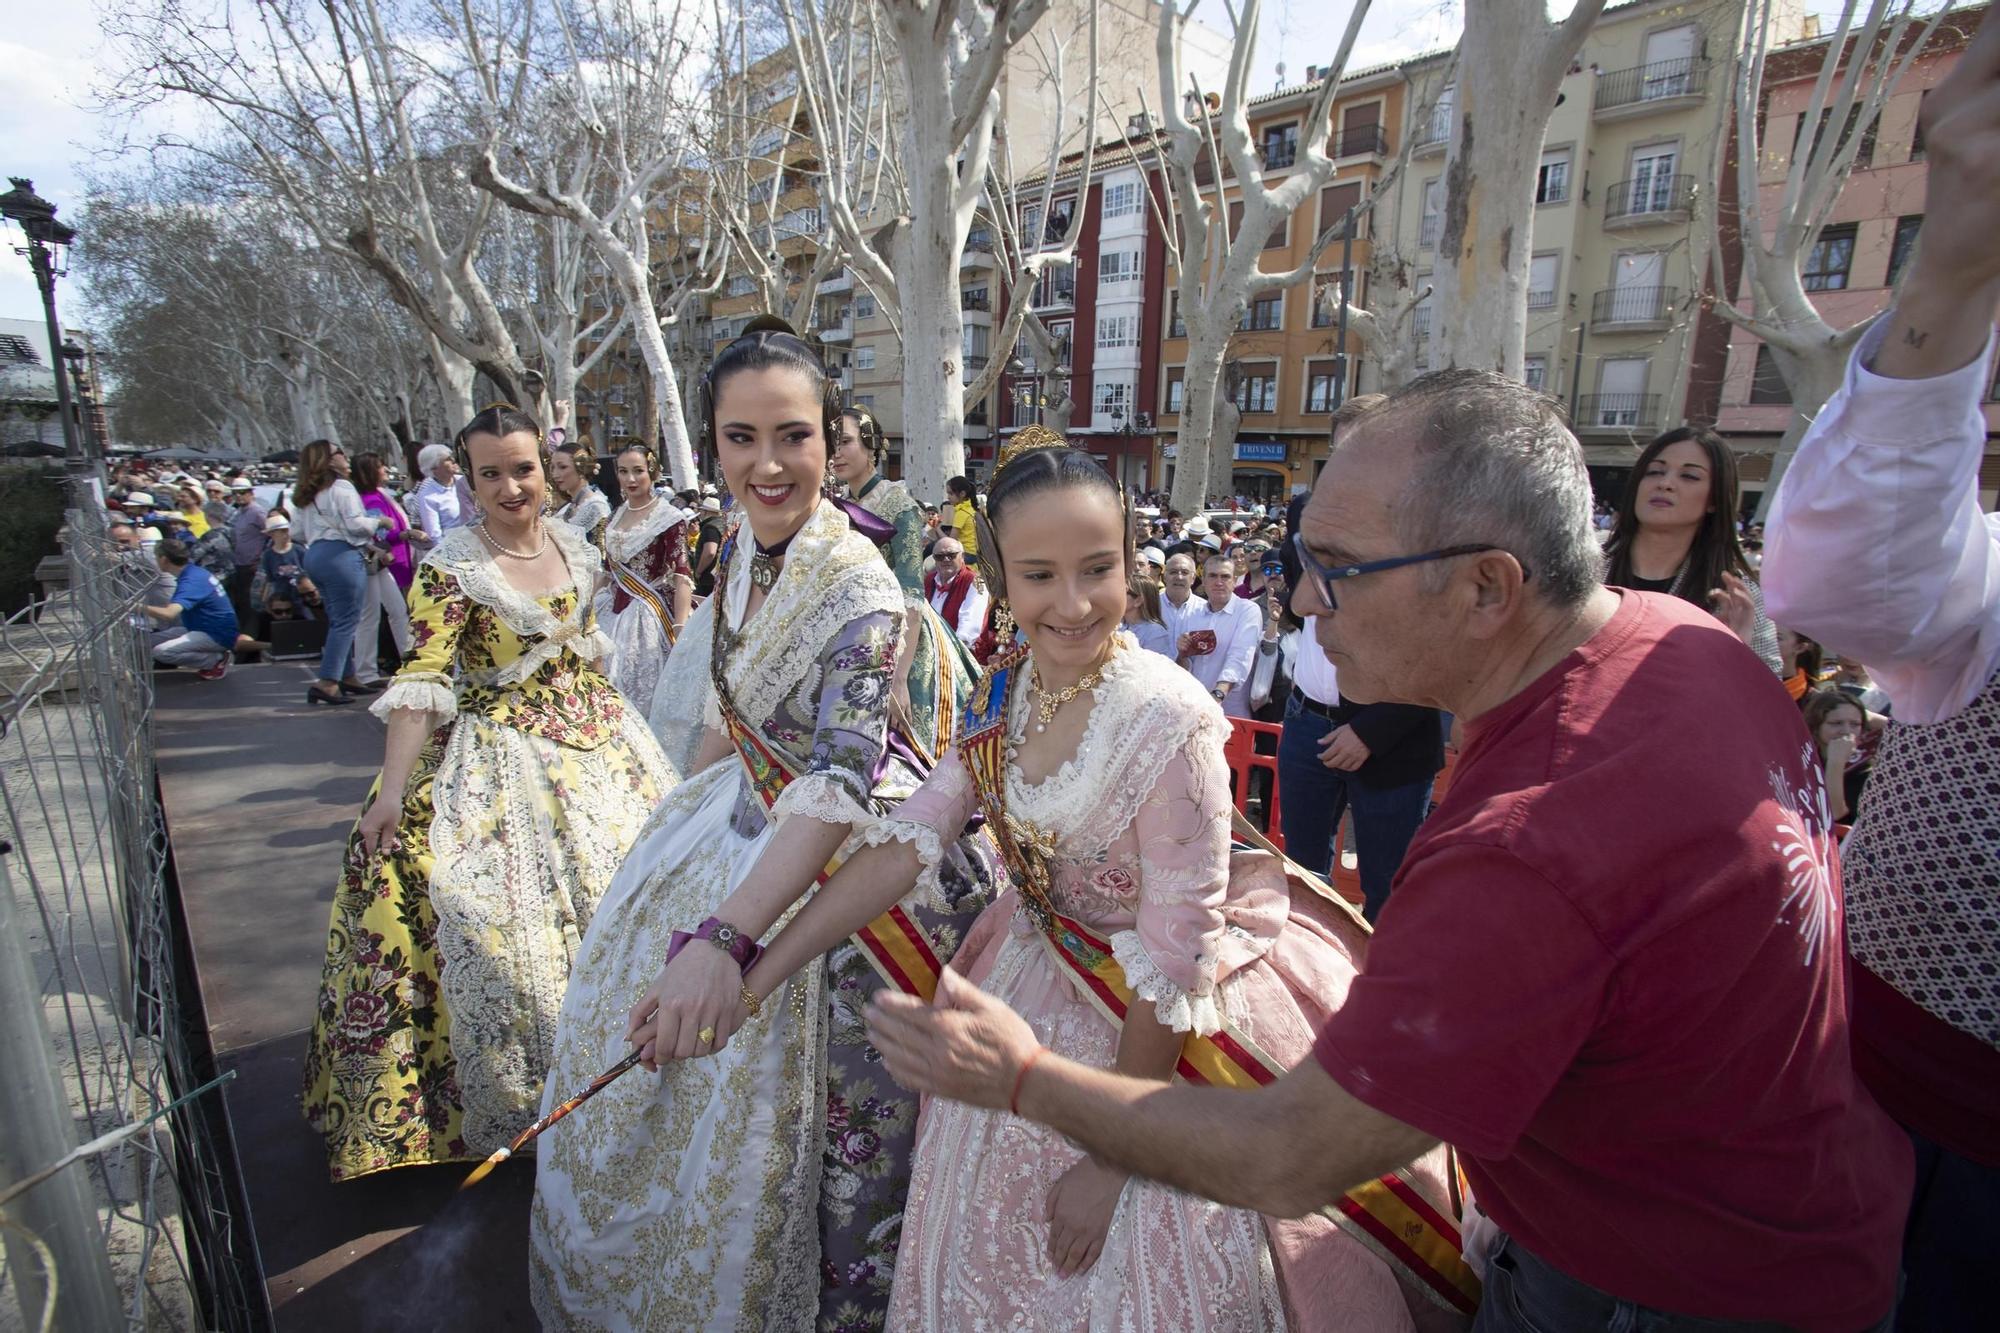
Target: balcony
(1633,309)
(978,250)
(975,302)
(975,366)
(1597,413)
(841,331)
(843,281)
(1664,85)
(1434,134)
(1648,201)
(1363,141)
(1055,296)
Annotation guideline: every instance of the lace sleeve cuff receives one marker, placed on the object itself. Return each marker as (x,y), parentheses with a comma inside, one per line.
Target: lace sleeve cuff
(930,855)
(821,796)
(420,691)
(1177,1008)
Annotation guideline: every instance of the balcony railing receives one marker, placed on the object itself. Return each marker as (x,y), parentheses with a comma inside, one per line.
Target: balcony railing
(974,367)
(1362,141)
(1632,307)
(1648,199)
(1420,318)
(839,281)
(1427,235)
(1433,133)
(969,302)
(1657,82)
(1617,411)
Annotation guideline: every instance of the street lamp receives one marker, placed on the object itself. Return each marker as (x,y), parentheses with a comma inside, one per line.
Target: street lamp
(48,239)
(73,353)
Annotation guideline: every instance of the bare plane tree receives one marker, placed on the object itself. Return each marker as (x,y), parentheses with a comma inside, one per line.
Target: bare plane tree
(1863,64)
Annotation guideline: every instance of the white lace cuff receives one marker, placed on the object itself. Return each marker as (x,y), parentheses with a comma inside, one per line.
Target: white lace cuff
(419,691)
(930,854)
(820,796)
(1177,1008)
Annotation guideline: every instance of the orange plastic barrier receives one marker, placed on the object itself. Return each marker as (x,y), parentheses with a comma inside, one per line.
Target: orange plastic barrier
(1252,747)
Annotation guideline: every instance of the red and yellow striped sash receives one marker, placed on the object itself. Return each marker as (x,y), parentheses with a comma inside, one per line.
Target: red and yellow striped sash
(1388,1215)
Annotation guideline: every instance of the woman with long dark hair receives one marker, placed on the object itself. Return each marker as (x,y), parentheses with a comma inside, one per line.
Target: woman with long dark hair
(390,564)
(762,1189)
(513,779)
(1675,533)
(330,521)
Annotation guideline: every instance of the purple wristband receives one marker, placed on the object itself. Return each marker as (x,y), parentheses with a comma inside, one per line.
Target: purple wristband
(742,950)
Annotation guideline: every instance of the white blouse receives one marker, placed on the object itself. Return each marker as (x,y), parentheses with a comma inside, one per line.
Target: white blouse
(336,513)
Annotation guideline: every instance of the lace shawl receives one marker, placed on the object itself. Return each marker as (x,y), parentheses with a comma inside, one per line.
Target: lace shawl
(461,554)
(626,544)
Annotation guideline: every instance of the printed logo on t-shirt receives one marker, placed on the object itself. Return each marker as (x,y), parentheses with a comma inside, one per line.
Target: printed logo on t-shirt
(1807,852)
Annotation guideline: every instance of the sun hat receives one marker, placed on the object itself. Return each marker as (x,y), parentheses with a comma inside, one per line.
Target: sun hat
(1152,555)
(276,521)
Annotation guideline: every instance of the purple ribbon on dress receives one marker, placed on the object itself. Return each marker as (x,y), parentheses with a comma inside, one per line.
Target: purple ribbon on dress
(877,530)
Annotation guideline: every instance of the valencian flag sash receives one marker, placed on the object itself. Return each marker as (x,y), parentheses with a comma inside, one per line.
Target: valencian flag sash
(1388,1215)
(894,944)
(637,588)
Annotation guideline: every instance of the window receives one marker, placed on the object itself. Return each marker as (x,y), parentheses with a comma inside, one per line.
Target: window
(975,298)
(1903,246)
(1652,186)
(1320,379)
(1264,314)
(1257,391)
(864,307)
(1433,212)
(1031,224)
(1176,388)
(1111,398)
(1862,155)
(1832,255)
(864,358)
(1535,373)
(619,426)
(1917,135)
(1121,200)
(1542,271)
(1280,235)
(1281,146)
(1117,331)
(1334,201)
(1552,184)
(1176,326)
(974,342)
(741,285)
(1117,267)
(1059,215)
(1326,300)
(1767,382)
(1621,392)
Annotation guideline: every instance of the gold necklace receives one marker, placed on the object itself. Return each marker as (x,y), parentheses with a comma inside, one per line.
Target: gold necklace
(1046,703)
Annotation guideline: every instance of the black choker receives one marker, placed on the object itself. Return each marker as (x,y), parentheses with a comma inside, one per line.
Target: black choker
(764,563)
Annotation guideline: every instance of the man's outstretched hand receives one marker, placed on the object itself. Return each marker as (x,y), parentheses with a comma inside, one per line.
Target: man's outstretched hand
(967,1046)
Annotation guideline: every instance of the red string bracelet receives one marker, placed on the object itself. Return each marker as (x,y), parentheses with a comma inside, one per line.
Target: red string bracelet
(1014,1102)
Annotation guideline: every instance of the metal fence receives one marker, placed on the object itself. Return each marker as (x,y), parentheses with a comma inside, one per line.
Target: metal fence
(123,1201)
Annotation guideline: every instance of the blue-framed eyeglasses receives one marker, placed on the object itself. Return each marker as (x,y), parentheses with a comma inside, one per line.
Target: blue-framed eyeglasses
(1321,578)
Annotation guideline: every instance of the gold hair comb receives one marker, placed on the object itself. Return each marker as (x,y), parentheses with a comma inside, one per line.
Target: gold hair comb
(1028,440)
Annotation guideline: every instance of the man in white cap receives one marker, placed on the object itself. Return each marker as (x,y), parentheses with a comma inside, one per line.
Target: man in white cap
(246,539)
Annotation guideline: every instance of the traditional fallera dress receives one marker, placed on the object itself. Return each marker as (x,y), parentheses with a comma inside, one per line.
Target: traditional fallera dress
(1125,889)
(447,958)
(587,513)
(636,609)
(891,502)
(761,1187)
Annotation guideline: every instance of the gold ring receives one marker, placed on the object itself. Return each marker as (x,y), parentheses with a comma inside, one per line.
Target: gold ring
(706,1036)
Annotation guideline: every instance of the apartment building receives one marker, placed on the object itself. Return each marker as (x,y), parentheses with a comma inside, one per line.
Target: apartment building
(1871,233)
(1285,364)
(1628,167)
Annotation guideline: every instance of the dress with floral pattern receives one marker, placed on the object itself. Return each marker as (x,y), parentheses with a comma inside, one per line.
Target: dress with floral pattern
(447,958)
(761,1187)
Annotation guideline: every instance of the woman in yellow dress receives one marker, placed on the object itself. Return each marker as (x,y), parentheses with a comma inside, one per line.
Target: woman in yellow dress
(523,777)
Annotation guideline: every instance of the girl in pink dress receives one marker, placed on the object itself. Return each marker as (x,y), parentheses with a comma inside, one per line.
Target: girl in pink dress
(1133,938)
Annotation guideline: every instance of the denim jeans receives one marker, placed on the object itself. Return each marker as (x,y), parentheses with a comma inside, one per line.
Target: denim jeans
(1526,1295)
(1313,797)
(343,585)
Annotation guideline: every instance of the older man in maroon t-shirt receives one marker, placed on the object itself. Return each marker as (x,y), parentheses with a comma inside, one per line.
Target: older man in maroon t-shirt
(1611,971)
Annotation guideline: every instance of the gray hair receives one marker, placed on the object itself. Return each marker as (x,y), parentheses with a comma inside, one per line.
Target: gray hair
(1496,462)
(431,455)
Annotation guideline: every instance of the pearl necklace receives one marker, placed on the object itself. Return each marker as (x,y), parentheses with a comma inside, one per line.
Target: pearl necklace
(494,542)
(637,509)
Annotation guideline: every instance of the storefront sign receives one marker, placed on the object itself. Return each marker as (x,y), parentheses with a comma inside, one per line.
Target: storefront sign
(1260,451)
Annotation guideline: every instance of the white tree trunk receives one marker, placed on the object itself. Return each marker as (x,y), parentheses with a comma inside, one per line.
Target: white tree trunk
(1511,64)
(933,324)
(1201,387)
(454,382)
